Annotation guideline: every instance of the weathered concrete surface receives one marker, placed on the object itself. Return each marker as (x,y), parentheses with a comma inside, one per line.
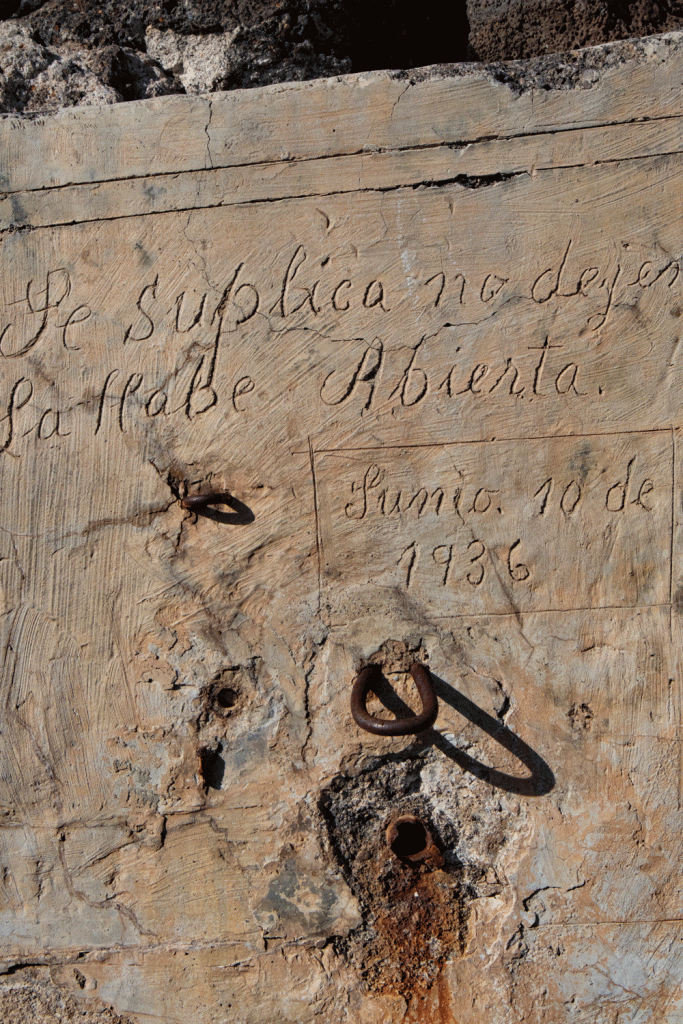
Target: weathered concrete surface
(426,332)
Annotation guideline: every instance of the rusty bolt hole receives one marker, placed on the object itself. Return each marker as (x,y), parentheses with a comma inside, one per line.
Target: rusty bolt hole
(224,695)
(408,838)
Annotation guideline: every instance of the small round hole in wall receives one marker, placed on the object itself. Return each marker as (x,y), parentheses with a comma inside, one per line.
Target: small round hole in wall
(226,697)
(408,837)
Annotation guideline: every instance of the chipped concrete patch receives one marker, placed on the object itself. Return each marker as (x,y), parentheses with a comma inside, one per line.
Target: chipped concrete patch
(417,885)
(31,997)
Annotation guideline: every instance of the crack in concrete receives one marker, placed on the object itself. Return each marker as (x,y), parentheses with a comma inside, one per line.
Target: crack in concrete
(208,134)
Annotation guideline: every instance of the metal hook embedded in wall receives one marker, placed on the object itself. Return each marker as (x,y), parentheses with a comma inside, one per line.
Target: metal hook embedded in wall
(200,502)
(202,505)
(396,726)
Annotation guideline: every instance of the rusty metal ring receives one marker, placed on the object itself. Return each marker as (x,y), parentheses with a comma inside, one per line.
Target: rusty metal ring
(396,726)
(198,502)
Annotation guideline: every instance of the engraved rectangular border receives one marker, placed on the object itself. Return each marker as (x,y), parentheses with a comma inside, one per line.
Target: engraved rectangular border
(668,430)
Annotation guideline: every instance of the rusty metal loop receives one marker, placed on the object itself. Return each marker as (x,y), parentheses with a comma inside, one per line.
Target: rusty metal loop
(395,726)
(199,502)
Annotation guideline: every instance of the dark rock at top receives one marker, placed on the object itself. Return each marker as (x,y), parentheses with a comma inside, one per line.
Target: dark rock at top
(518,29)
(56,53)
(315,36)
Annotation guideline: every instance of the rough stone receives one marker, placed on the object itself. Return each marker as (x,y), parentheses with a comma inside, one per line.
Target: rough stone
(517,29)
(37,78)
(202,63)
(270,41)
(32,997)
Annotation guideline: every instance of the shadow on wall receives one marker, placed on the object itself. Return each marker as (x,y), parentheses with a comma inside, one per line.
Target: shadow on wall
(400,35)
